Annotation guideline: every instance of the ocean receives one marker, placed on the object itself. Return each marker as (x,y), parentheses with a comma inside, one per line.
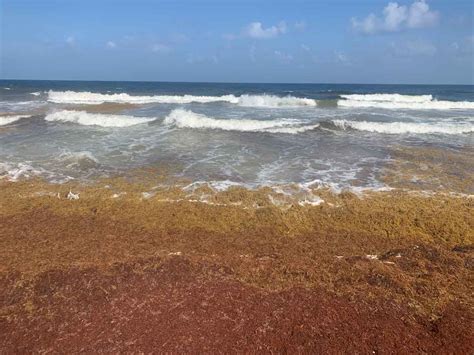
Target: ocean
(252,135)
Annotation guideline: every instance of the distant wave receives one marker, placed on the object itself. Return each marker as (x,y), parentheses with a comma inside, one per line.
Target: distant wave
(96,119)
(4,120)
(405,127)
(35,93)
(188,119)
(72,97)
(397,101)
(389,98)
(274,101)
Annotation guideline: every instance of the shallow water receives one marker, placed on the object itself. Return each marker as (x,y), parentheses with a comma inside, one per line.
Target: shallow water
(251,134)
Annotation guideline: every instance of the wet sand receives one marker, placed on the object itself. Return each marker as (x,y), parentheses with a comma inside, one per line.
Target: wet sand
(118,270)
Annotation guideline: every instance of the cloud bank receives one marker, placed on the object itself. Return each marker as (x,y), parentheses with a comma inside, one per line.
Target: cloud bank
(397,17)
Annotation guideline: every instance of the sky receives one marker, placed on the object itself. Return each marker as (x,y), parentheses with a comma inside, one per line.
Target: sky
(327,41)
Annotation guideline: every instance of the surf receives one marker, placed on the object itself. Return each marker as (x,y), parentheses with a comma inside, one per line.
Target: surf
(264,100)
(96,119)
(405,127)
(397,101)
(188,119)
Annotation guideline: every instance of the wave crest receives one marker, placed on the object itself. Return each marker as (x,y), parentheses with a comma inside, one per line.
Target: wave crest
(96,119)
(397,101)
(188,119)
(91,98)
(274,101)
(405,127)
(72,97)
(4,120)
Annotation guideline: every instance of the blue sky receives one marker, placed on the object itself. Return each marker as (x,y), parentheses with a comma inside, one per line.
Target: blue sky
(329,41)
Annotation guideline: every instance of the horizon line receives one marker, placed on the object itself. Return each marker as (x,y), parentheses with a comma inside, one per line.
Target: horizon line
(231,82)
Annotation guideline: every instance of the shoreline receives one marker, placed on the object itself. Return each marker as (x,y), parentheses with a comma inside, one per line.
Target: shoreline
(390,260)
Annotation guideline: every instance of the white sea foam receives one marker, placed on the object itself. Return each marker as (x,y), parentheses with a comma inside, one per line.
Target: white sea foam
(35,93)
(406,127)
(311,201)
(389,98)
(72,97)
(4,120)
(96,119)
(218,186)
(274,101)
(188,119)
(397,101)
(14,172)
(292,130)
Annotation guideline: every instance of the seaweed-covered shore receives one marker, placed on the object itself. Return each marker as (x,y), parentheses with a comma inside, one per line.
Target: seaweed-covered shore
(120,270)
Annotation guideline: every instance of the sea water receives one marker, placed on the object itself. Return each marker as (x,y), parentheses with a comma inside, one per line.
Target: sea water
(253,135)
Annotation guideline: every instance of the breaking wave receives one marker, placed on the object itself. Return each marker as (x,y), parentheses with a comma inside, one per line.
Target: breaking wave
(4,120)
(14,172)
(96,119)
(188,119)
(405,127)
(274,101)
(72,97)
(80,160)
(397,101)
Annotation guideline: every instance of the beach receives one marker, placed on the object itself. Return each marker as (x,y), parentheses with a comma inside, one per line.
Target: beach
(128,273)
(228,219)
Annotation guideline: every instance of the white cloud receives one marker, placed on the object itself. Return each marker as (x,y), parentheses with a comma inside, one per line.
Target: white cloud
(257,31)
(394,16)
(284,57)
(71,40)
(111,44)
(200,59)
(398,17)
(192,59)
(464,47)
(160,48)
(305,48)
(342,58)
(420,15)
(368,25)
